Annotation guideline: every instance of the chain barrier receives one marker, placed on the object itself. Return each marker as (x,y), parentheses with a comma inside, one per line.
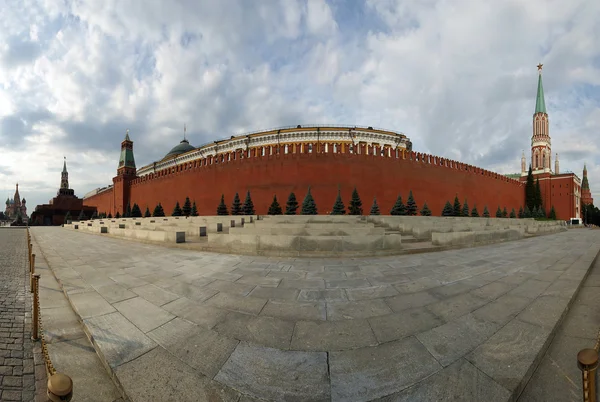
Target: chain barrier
(59,386)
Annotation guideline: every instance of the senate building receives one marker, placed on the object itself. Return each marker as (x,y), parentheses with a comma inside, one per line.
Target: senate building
(379,163)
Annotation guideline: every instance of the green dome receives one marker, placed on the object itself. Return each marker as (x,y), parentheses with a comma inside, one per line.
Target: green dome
(183,147)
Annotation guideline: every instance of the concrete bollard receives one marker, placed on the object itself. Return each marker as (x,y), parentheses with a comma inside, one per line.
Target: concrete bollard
(251,219)
(232,224)
(121,226)
(242,222)
(75,226)
(60,388)
(89,224)
(103,229)
(219,227)
(138,223)
(202,231)
(179,237)
(32,273)
(152,221)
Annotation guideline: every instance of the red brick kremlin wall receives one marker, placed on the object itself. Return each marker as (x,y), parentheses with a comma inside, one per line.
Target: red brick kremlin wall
(432,179)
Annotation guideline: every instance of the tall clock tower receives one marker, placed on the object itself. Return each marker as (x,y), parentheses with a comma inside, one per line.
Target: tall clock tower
(541,144)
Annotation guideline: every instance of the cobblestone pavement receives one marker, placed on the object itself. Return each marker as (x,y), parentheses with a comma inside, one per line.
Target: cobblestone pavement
(17,380)
(466,325)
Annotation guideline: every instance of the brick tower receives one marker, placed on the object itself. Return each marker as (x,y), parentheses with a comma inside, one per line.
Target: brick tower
(126,172)
(540,141)
(586,193)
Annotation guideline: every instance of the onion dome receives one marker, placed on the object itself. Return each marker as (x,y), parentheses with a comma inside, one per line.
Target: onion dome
(183,147)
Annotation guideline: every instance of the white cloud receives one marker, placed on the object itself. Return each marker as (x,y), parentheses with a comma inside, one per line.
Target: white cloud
(457,77)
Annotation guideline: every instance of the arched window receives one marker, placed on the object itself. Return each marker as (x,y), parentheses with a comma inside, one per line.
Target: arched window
(335,148)
(263,151)
(285,149)
(310,148)
(326,147)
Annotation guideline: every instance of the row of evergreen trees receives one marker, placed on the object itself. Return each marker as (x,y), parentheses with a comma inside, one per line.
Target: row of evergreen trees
(457,210)
(189,209)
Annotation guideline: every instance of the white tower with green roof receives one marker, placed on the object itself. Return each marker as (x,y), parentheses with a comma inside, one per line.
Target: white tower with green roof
(541,144)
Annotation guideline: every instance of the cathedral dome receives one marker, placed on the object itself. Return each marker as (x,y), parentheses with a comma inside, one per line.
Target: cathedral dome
(183,147)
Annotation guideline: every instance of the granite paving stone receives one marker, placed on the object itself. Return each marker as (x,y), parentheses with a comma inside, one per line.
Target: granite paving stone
(329,295)
(145,315)
(114,293)
(400,325)
(267,331)
(154,294)
(531,288)
(492,290)
(544,311)
(412,300)
(226,286)
(456,306)
(332,335)
(371,372)
(200,314)
(373,292)
(271,293)
(503,309)
(295,311)
(248,304)
(357,309)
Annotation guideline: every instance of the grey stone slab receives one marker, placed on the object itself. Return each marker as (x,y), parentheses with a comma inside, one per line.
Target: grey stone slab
(517,278)
(302,283)
(411,300)
(271,293)
(287,274)
(266,331)
(160,376)
(372,292)
(200,314)
(451,341)
(295,311)
(589,296)
(115,293)
(351,310)
(329,295)
(154,294)
(224,286)
(456,306)
(346,283)
(582,321)
(548,276)
(224,276)
(418,285)
(277,375)
(248,304)
(190,291)
(461,381)
(562,288)
(557,378)
(129,281)
(493,290)
(325,275)
(60,324)
(143,314)
(257,280)
(118,340)
(200,281)
(400,325)
(450,290)
(367,373)
(203,349)
(544,311)
(503,309)
(531,288)
(511,354)
(332,335)
(90,304)
(389,279)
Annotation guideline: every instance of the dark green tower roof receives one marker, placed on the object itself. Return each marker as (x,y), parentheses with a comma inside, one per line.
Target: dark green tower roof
(584,183)
(126,159)
(540,103)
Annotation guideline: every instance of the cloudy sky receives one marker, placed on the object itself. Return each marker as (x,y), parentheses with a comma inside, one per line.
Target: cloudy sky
(457,76)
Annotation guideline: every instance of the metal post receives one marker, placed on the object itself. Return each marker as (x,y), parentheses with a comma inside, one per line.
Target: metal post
(60,387)
(587,361)
(32,272)
(36,307)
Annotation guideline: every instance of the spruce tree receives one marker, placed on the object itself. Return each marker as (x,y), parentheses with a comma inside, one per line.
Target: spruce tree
(411,205)
(375,208)
(67,217)
(158,210)
(457,210)
(355,205)
(275,208)
(499,212)
(127,213)
(147,214)
(513,214)
(465,209)
(552,214)
(527,212)
(538,194)
(222,208)
(542,212)
(291,206)
(521,212)
(236,207)
(486,213)
(338,205)
(194,211)
(81,216)
(398,208)
(425,211)
(309,207)
(177,210)
(110,215)
(504,213)
(248,208)
(530,191)
(187,207)
(474,212)
(448,209)
(136,212)
(117,215)
(95,215)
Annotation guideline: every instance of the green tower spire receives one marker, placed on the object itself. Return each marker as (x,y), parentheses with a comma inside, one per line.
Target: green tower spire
(126,159)
(584,183)
(540,103)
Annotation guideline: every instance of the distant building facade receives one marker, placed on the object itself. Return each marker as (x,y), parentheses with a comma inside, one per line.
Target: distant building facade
(16,206)
(65,202)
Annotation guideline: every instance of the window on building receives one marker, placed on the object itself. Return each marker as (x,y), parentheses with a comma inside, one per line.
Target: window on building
(263,151)
(285,149)
(310,148)
(335,148)
(326,147)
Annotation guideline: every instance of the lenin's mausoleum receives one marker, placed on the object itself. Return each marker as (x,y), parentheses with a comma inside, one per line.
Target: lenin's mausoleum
(379,163)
